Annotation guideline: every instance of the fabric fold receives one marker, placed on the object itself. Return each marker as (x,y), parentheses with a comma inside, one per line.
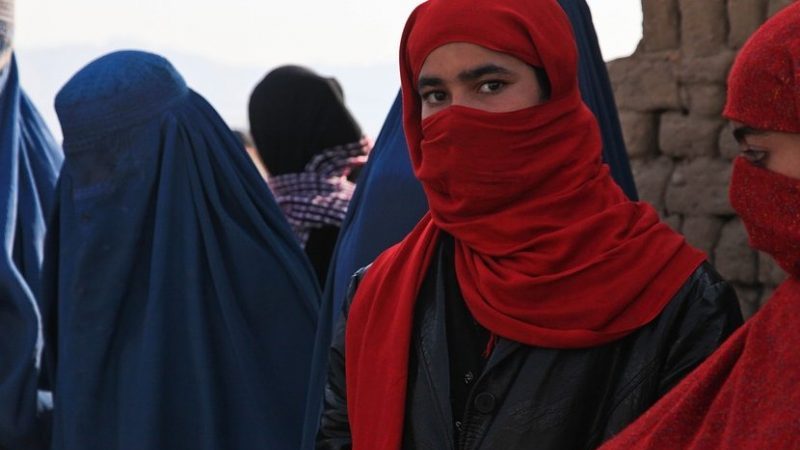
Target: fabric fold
(30,161)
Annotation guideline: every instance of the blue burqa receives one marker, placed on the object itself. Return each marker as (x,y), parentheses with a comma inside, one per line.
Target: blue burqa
(181,311)
(389,200)
(29,164)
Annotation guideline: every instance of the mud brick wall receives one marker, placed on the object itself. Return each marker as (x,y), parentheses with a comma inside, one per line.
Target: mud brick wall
(670,94)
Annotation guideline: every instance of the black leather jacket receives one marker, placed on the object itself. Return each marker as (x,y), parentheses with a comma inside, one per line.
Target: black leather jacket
(539,398)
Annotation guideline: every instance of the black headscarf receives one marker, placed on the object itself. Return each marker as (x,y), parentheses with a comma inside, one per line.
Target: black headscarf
(295,114)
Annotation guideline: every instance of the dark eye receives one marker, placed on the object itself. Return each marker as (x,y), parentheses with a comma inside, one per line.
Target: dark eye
(757,157)
(490,87)
(434,97)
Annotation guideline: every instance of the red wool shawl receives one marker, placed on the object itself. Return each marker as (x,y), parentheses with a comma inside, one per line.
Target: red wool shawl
(746,395)
(549,251)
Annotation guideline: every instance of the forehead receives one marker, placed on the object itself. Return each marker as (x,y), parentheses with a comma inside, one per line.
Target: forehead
(452,58)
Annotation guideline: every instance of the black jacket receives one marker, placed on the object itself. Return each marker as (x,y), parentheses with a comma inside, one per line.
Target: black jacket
(538,398)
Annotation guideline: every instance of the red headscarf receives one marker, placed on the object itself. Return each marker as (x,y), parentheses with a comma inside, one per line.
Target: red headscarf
(763,83)
(549,251)
(746,395)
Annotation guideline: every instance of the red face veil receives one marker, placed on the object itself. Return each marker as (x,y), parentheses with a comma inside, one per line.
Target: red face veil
(549,251)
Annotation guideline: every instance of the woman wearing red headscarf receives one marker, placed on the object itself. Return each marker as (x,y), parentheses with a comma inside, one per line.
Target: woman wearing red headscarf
(535,306)
(746,395)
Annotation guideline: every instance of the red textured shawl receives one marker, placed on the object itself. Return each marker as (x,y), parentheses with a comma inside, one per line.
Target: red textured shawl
(744,397)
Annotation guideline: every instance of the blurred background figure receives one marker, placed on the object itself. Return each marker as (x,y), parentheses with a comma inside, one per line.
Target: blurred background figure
(6,31)
(312,146)
(180,310)
(246,140)
(29,164)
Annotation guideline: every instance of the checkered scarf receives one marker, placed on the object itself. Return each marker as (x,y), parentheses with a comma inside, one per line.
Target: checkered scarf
(319,195)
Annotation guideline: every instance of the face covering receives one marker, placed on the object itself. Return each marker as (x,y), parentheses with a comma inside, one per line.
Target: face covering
(769,205)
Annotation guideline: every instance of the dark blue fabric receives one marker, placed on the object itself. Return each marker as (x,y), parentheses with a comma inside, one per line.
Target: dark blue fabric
(181,312)
(389,200)
(598,95)
(387,203)
(29,164)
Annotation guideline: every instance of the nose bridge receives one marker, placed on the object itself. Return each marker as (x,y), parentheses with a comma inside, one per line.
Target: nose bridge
(460,95)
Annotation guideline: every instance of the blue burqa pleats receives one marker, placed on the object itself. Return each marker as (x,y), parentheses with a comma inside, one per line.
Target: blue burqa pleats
(389,200)
(29,164)
(181,311)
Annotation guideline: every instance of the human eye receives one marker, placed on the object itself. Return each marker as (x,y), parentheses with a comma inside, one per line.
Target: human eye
(755,156)
(491,86)
(434,97)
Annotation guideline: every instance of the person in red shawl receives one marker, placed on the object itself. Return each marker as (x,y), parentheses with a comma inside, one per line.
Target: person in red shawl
(535,306)
(746,395)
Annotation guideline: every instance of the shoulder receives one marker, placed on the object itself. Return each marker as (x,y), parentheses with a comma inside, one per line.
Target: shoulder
(703,313)
(705,288)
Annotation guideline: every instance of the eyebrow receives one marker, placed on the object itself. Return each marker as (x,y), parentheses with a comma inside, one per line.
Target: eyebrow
(741,133)
(466,75)
(488,69)
(429,82)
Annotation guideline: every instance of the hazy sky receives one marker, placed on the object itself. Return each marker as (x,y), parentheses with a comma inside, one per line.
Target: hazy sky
(265,31)
(259,33)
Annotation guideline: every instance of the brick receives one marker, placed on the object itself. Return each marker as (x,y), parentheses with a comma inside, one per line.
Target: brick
(706,69)
(775,6)
(769,272)
(685,136)
(651,178)
(700,187)
(744,17)
(735,260)
(674,221)
(704,28)
(640,131)
(706,99)
(661,25)
(703,232)
(645,82)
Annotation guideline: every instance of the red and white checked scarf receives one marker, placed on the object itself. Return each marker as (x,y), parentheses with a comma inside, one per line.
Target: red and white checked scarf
(319,195)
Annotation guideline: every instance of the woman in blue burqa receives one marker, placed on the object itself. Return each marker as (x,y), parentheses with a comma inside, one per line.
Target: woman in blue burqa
(180,311)
(29,164)
(389,201)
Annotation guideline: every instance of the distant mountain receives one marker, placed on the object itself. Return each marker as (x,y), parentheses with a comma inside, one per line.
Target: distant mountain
(369,90)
